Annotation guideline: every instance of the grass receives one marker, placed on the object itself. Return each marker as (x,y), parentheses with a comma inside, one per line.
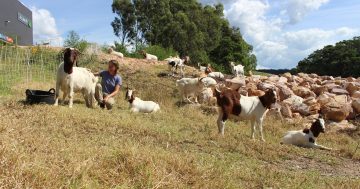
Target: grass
(56,147)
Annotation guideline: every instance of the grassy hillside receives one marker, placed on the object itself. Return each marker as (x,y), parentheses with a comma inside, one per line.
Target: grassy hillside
(57,147)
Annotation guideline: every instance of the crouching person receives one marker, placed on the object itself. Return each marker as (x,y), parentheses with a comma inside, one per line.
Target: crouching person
(110,85)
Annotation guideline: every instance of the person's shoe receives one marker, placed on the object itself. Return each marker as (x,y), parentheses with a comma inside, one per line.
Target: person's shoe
(102,105)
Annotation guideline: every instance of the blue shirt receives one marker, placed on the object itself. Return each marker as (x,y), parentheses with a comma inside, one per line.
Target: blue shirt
(109,82)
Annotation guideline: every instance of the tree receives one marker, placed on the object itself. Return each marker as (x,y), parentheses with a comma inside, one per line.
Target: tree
(73,40)
(124,23)
(343,59)
(201,32)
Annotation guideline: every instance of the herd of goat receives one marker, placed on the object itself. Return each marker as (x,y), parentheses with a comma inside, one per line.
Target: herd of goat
(71,79)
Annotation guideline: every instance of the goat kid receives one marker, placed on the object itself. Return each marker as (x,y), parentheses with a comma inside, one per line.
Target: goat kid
(233,105)
(216,75)
(190,87)
(237,70)
(307,137)
(175,63)
(72,79)
(138,105)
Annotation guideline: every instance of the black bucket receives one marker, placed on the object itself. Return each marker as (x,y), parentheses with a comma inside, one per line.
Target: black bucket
(40,97)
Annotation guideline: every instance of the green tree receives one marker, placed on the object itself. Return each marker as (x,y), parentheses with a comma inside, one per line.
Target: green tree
(124,23)
(73,40)
(188,27)
(343,59)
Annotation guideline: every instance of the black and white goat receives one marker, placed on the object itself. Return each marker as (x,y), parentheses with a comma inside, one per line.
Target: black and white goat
(307,137)
(138,105)
(175,62)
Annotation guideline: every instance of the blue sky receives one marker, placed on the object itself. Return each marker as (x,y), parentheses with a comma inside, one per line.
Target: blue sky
(281,31)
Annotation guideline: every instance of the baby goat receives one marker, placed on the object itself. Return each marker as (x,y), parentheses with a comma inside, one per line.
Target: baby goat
(233,105)
(138,105)
(237,70)
(306,138)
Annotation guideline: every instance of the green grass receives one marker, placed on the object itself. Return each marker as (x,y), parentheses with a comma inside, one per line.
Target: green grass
(57,147)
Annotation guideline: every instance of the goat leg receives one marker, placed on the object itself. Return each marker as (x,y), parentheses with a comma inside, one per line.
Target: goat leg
(261,130)
(57,94)
(71,96)
(253,129)
(221,122)
(314,145)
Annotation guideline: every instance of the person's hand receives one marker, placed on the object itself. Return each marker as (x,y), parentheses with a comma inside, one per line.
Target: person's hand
(106,99)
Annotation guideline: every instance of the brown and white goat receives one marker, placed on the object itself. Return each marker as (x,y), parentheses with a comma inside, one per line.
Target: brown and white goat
(71,79)
(233,105)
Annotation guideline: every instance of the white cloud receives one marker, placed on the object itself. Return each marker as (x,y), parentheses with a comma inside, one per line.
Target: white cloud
(45,29)
(298,9)
(274,45)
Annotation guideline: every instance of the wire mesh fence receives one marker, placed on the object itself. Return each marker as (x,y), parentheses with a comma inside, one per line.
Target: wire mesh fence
(24,65)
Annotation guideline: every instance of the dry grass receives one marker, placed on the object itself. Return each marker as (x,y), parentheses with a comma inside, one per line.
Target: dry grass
(56,147)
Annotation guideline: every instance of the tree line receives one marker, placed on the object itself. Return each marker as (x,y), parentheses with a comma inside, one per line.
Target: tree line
(187,26)
(341,59)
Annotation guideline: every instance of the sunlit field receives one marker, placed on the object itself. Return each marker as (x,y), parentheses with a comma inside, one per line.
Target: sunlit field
(43,146)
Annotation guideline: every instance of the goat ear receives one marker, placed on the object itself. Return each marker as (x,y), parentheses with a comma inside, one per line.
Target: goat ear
(321,116)
(217,90)
(65,50)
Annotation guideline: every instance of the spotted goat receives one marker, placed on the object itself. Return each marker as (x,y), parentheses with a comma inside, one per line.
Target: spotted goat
(71,79)
(306,138)
(233,105)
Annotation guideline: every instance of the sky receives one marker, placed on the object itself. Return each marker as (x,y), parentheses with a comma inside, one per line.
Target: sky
(282,32)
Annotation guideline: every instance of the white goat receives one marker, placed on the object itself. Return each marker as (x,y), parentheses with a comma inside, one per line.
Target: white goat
(216,75)
(206,96)
(138,105)
(72,79)
(148,56)
(237,70)
(118,54)
(208,82)
(232,105)
(306,138)
(189,87)
(201,68)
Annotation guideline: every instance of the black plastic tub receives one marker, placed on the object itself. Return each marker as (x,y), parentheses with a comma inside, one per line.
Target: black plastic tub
(40,97)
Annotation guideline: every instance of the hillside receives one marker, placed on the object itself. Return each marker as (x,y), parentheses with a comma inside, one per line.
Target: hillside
(56,147)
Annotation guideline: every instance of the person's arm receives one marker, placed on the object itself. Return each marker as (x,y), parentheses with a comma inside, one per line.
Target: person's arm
(116,91)
(118,84)
(98,74)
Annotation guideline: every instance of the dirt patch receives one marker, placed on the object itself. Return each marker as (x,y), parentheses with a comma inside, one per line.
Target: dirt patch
(347,168)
